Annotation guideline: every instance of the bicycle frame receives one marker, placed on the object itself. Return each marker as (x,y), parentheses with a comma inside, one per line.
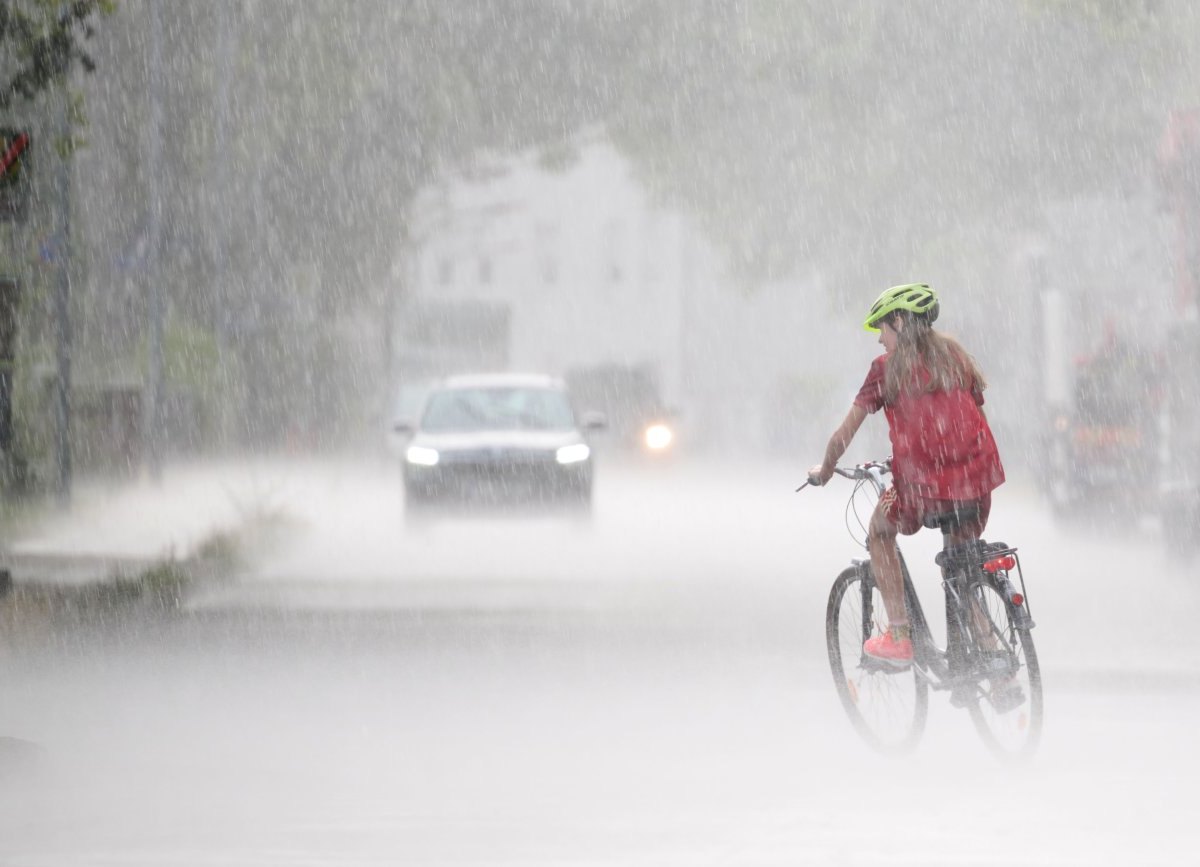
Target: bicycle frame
(961,566)
(989,663)
(942,668)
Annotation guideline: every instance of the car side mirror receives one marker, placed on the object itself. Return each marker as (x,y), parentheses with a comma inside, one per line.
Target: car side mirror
(594,421)
(402,427)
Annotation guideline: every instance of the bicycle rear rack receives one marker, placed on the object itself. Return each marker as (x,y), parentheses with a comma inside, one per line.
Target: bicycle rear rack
(997,559)
(1000,560)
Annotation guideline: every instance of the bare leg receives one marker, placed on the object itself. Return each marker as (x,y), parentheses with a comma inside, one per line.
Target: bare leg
(985,633)
(885,563)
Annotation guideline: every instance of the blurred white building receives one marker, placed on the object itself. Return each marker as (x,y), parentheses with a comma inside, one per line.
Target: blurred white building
(527,267)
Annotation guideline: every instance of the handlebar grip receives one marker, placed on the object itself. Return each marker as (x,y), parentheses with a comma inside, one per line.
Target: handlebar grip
(811,480)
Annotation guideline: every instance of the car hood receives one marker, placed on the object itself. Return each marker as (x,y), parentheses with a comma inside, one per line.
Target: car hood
(515,440)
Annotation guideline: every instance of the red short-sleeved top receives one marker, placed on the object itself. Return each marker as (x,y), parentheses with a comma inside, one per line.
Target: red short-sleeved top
(942,446)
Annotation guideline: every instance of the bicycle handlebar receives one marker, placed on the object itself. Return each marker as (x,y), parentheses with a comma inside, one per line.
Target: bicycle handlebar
(871,470)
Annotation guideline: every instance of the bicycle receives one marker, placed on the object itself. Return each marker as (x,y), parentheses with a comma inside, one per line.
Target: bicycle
(989,664)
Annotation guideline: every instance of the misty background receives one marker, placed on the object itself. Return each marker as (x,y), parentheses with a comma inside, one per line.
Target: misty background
(256,230)
(255,176)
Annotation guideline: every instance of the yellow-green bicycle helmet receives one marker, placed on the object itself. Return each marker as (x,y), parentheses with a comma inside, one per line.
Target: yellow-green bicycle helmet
(914,297)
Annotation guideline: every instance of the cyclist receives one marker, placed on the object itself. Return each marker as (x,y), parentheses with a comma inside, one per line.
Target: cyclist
(944,457)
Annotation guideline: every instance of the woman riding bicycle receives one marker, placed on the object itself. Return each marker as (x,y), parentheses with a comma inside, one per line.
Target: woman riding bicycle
(944,457)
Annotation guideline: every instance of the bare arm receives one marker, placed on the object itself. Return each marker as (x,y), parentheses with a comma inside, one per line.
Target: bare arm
(838,443)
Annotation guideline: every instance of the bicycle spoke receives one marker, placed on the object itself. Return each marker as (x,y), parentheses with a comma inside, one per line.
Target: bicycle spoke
(886,705)
(1008,711)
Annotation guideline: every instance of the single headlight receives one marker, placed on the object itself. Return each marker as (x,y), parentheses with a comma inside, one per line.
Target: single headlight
(573,454)
(421,456)
(657,437)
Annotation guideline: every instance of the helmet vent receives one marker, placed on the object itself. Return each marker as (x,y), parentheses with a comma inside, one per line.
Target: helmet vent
(913,297)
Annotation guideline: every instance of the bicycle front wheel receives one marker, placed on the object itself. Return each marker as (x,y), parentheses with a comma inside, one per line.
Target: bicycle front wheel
(886,705)
(1007,707)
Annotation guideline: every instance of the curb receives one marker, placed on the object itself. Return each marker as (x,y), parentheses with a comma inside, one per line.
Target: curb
(77,570)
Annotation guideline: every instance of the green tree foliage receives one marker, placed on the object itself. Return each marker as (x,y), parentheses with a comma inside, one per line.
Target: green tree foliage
(799,130)
(42,40)
(292,138)
(852,135)
(860,138)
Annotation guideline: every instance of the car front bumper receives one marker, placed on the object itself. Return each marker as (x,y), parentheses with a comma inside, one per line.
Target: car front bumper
(498,483)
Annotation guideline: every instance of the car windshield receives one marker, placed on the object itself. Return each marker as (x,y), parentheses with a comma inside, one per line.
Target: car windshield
(465,410)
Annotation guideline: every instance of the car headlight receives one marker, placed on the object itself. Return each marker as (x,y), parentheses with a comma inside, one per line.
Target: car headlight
(421,456)
(658,437)
(573,454)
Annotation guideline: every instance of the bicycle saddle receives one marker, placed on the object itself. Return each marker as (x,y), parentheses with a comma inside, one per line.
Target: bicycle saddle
(952,520)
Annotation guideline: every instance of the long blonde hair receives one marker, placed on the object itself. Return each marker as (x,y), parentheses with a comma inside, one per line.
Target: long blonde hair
(919,346)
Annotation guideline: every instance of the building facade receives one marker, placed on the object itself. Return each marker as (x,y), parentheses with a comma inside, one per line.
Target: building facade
(526,267)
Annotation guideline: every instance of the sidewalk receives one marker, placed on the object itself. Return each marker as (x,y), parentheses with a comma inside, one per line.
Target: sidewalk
(117,530)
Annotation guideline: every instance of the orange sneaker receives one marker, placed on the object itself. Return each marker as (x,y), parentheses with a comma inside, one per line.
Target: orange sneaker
(889,649)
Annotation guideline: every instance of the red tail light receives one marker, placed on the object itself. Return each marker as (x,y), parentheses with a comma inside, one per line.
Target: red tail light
(1000,563)
(1018,599)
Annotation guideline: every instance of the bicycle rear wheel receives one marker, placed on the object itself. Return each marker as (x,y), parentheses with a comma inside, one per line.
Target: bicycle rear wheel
(1007,707)
(886,705)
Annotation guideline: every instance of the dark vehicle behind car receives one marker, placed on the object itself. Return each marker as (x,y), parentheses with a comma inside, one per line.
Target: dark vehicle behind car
(629,398)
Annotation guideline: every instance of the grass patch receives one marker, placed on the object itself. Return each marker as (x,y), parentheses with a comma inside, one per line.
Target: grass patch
(126,604)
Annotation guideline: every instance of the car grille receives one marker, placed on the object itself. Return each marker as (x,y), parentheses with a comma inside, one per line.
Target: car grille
(501,476)
(502,459)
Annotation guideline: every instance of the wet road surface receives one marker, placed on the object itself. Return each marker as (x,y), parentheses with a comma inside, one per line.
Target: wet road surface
(650,689)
